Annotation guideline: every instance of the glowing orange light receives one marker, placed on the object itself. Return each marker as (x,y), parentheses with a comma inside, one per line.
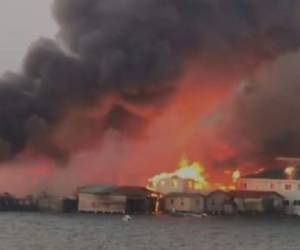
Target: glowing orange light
(259,170)
(289,171)
(191,185)
(186,171)
(236,175)
(175,183)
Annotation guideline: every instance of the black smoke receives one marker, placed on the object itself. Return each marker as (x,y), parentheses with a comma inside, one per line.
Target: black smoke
(136,48)
(266,112)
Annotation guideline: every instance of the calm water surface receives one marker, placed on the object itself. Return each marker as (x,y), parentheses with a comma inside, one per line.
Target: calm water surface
(73,232)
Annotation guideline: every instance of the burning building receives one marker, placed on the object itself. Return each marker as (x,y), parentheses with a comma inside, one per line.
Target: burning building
(188,178)
(191,177)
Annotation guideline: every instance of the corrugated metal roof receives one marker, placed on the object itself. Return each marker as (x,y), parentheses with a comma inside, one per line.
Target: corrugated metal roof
(212,192)
(197,193)
(252,194)
(116,190)
(94,189)
(132,191)
(208,192)
(182,195)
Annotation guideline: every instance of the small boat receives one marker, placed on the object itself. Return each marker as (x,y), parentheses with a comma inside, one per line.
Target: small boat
(126,218)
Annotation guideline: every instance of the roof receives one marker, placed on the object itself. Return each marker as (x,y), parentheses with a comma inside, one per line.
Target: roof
(131,191)
(183,195)
(93,189)
(289,160)
(253,194)
(204,193)
(117,190)
(208,192)
(277,173)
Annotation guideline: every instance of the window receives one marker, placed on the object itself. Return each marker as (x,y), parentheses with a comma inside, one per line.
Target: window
(287,186)
(174,183)
(213,203)
(197,202)
(172,201)
(190,185)
(296,203)
(272,186)
(243,185)
(182,202)
(286,203)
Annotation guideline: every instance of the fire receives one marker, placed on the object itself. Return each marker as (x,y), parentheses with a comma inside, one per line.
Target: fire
(236,175)
(193,172)
(189,177)
(289,171)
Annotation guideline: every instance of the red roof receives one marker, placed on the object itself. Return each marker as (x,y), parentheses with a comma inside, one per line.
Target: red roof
(253,194)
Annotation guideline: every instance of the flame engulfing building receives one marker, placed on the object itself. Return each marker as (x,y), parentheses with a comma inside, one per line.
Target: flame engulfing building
(284,180)
(188,178)
(174,184)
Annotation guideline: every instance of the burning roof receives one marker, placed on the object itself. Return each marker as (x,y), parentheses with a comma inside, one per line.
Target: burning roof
(186,171)
(278,173)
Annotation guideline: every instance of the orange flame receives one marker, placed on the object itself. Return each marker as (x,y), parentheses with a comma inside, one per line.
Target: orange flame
(189,177)
(289,171)
(236,175)
(194,172)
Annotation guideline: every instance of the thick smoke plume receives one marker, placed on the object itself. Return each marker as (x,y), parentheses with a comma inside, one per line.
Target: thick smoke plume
(117,63)
(265,110)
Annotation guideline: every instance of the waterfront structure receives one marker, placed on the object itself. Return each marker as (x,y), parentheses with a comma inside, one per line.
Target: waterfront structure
(257,201)
(283,179)
(184,202)
(174,184)
(57,204)
(115,199)
(218,202)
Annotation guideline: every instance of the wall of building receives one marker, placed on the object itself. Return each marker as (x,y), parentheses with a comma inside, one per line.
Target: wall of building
(101,203)
(50,204)
(185,204)
(290,189)
(249,205)
(215,202)
(270,204)
(175,185)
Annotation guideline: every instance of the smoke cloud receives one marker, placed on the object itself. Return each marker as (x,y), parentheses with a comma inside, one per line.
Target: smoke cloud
(117,64)
(264,110)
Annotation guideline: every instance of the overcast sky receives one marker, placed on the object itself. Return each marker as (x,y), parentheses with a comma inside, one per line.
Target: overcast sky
(21,23)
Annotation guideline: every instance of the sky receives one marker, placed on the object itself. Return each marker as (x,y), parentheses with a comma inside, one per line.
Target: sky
(21,23)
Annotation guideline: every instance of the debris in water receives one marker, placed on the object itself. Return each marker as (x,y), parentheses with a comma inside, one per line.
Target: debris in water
(126,218)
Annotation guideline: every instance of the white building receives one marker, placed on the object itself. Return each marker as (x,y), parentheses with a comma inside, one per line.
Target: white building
(284,180)
(173,185)
(185,202)
(117,199)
